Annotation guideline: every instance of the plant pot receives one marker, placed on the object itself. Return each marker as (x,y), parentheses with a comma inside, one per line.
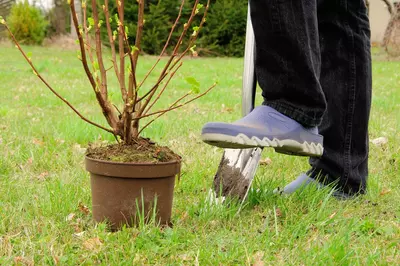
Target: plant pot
(125,193)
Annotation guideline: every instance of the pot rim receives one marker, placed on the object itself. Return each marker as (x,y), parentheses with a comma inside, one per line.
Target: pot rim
(133,163)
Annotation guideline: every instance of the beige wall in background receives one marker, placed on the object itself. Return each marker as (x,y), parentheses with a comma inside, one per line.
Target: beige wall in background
(379,18)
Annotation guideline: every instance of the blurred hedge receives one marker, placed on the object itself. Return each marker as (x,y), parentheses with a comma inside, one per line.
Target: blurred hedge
(223,34)
(27,23)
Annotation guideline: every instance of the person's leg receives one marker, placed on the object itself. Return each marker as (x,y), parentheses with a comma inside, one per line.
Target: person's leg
(346,81)
(288,58)
(287,69)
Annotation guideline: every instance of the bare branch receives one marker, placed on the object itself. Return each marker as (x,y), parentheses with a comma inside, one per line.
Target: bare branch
(186,27)
(88,46)
(112,44)
(163,89)
(82,46)
(155,86)
(50,88)
(165,46)
(193,38)
(120,3)
(99,54)
(85,29)
(106,107)
(139,32)
(174,53)
(172,107)
(133,84)
(165,111)
(130,102)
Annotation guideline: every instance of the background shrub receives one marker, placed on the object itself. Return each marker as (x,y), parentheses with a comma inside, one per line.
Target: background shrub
(222,35)
(225,30)
(27,23)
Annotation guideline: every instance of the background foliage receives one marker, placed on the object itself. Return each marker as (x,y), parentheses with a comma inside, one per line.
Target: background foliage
(27,23)
(223,34)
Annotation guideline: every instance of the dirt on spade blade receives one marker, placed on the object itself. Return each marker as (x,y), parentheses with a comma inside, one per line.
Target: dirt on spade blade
(140,151)
(229,181)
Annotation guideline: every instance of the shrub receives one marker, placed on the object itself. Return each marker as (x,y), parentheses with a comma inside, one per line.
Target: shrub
(226,29)
(157,23)
(223,36)
(27,23)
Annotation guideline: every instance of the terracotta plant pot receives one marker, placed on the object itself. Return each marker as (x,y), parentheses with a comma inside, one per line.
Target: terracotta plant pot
(123,192)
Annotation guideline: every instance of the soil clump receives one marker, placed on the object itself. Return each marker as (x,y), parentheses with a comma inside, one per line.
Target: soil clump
(229,181)
(140,151)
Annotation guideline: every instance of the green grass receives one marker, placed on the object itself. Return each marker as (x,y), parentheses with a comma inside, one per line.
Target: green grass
(43,180)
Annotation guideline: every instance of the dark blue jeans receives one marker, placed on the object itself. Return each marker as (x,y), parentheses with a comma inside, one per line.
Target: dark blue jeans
(313,64)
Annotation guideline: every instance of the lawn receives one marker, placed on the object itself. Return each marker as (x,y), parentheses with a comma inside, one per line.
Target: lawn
(45,191)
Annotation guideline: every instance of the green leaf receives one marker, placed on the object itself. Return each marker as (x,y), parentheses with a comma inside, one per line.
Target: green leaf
(195,90)
(100,23)
(126,30)
(96,66)
(198,7)
(110,19)
(134,48)
(116,18)
(196,28)
(91,21)
(195,84)
(192,81)
(2,21)
(29,54)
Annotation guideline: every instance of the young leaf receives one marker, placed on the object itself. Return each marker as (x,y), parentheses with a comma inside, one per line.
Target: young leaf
(192,81)
(195,28)
(96,65)
(195,84)
(91,21)
(195,90)
(2,21)
(117,19)
(194,53)
(80,29)
(198,7)
(100,23)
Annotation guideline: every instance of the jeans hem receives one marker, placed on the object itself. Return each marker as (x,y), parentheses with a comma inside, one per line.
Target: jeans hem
(327,179)
(312,119)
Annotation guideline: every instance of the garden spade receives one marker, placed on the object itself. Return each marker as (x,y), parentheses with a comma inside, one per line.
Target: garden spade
(238,166)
